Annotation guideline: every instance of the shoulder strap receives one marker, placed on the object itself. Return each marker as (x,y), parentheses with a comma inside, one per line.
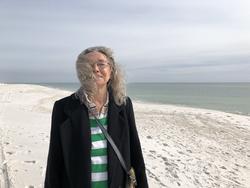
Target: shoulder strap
(116,150)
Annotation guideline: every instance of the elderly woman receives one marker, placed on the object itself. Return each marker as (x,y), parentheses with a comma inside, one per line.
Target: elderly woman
(79,154)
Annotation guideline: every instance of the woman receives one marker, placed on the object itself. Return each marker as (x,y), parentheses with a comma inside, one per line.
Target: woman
(79,154)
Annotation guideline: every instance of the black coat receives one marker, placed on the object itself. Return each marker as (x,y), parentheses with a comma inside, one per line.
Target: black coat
(69,161)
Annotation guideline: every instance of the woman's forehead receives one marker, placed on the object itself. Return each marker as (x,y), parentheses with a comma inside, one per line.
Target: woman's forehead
(95,56)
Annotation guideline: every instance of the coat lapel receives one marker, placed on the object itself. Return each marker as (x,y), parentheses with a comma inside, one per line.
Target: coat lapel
(76,144)
(115,131)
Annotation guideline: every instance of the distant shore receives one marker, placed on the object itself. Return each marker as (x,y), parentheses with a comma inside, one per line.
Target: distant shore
(182,146)
(226,97)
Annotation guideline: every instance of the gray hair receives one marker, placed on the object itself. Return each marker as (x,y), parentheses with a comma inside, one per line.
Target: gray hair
(85,74)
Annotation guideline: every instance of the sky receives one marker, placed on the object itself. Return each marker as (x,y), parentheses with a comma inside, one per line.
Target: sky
(153,41)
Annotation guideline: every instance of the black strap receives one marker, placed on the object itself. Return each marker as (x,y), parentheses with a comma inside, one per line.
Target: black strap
(116,150)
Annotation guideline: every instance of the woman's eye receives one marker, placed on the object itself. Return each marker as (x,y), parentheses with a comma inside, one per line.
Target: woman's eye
(101,65)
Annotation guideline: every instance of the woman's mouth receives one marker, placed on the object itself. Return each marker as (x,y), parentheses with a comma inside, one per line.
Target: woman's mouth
(99,77)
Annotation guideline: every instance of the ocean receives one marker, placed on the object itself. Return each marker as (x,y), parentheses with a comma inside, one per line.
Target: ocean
(227,97)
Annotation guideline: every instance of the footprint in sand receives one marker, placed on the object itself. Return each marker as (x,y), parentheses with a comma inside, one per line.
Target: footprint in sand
(29,186)
(32,161)
(10,152)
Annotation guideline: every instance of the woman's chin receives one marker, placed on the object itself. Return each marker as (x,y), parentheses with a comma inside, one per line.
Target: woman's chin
(100,84)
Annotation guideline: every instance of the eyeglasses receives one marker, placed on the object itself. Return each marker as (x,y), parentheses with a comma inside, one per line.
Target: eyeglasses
(101,64)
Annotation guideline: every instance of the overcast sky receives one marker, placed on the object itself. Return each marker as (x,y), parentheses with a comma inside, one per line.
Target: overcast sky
(154,41)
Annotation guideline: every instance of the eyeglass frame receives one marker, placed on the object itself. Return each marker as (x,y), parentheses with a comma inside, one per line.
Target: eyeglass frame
(101,64)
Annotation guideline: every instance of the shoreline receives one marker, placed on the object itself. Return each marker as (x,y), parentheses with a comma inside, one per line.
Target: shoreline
(144,101)
(182,146)
(188,107)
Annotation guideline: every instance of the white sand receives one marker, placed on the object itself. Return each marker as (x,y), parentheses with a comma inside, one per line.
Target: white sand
(183,147)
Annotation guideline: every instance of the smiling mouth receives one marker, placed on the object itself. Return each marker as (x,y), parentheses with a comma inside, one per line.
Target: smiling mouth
(98,77)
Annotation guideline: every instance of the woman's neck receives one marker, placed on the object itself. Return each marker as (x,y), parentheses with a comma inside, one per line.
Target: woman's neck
(100,96)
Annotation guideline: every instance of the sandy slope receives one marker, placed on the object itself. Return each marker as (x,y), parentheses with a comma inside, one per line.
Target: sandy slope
(187,147)
(183,147)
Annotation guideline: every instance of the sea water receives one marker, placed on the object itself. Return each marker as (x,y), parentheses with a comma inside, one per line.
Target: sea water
(228,97)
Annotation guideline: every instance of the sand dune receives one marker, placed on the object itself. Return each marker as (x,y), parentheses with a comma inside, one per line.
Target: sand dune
(183,147)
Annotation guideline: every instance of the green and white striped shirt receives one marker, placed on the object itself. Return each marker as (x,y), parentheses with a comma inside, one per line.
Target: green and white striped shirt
(99,161)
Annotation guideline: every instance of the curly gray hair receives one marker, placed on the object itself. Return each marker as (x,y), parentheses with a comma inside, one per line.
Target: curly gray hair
(85,74)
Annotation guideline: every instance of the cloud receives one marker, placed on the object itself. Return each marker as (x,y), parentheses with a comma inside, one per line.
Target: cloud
(167,35)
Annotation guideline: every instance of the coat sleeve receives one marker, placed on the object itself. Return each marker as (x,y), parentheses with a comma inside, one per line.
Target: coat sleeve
(137,161)
(54,160)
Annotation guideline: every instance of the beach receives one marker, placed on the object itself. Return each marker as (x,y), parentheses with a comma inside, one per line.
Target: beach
(182,146)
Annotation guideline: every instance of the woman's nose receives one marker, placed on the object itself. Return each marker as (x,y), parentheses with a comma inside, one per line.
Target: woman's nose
(96,68)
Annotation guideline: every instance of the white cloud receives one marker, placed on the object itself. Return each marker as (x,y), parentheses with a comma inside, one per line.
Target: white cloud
(142,33)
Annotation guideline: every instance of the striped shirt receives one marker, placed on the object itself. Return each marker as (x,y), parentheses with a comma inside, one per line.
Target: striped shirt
(99,161)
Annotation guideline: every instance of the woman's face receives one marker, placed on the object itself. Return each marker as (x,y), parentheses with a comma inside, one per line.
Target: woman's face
(101,68)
